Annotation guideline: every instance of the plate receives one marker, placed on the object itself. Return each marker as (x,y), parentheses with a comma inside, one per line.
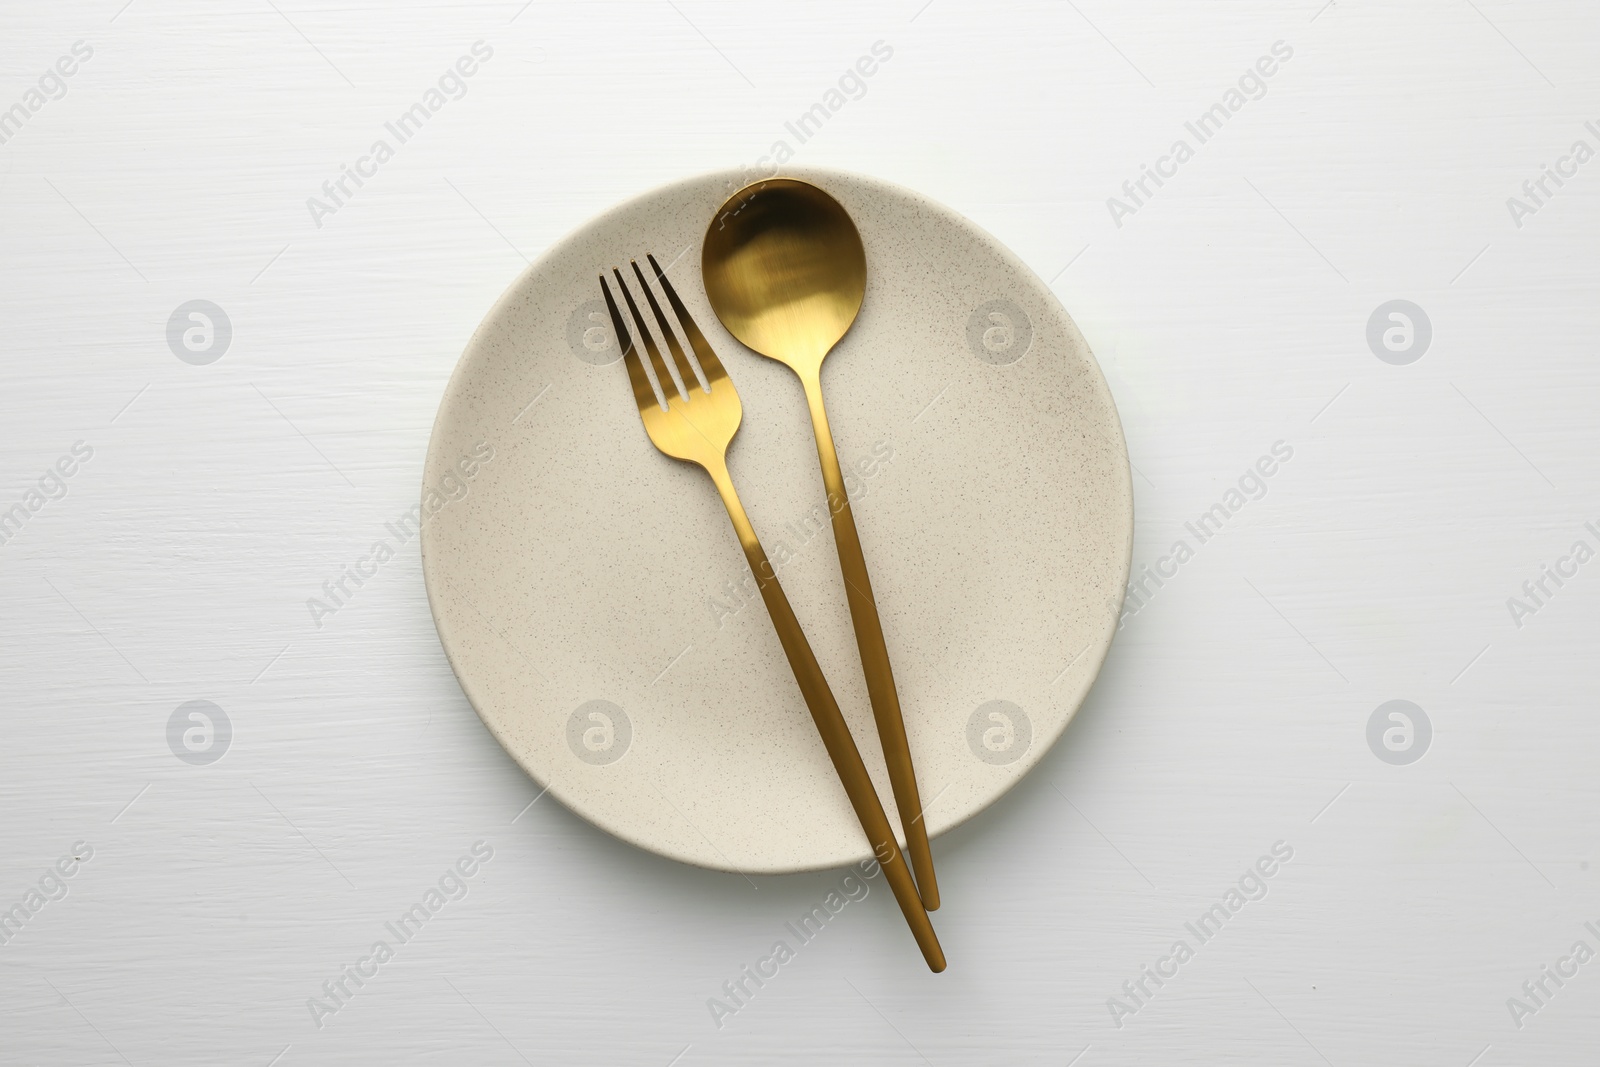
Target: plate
(595,604)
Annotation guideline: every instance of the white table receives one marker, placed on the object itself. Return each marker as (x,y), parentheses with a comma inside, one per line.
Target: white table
(1230,312)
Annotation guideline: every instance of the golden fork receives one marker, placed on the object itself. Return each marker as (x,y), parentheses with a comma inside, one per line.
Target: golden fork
(695,423)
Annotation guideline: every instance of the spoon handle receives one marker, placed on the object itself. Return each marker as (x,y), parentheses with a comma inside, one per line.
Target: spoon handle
(874,652)
(831,725)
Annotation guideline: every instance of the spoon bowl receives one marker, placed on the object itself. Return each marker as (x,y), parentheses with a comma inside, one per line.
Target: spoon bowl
(785,271)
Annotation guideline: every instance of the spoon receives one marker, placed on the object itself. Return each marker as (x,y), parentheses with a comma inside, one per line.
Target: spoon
(785,272)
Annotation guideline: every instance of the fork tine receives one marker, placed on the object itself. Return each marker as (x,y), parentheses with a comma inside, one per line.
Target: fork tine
(697,340)
(662,377)
(643,394)
(680,361)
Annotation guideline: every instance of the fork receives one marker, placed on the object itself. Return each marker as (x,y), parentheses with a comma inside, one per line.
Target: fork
(696,425)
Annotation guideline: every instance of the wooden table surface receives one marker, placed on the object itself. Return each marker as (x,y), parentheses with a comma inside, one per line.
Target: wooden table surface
(241,247)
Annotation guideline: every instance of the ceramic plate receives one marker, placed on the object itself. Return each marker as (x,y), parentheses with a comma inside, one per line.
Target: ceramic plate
(595,604)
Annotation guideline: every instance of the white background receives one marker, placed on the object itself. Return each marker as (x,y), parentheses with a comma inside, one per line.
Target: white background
(1229,313)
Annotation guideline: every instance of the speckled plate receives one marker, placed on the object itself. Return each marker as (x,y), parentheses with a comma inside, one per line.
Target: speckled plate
(595,604)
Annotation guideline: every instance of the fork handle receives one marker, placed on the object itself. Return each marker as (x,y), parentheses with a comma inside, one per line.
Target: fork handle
(830,722)
(874,651)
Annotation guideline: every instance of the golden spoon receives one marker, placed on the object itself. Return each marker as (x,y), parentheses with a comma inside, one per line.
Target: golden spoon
(785,272)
